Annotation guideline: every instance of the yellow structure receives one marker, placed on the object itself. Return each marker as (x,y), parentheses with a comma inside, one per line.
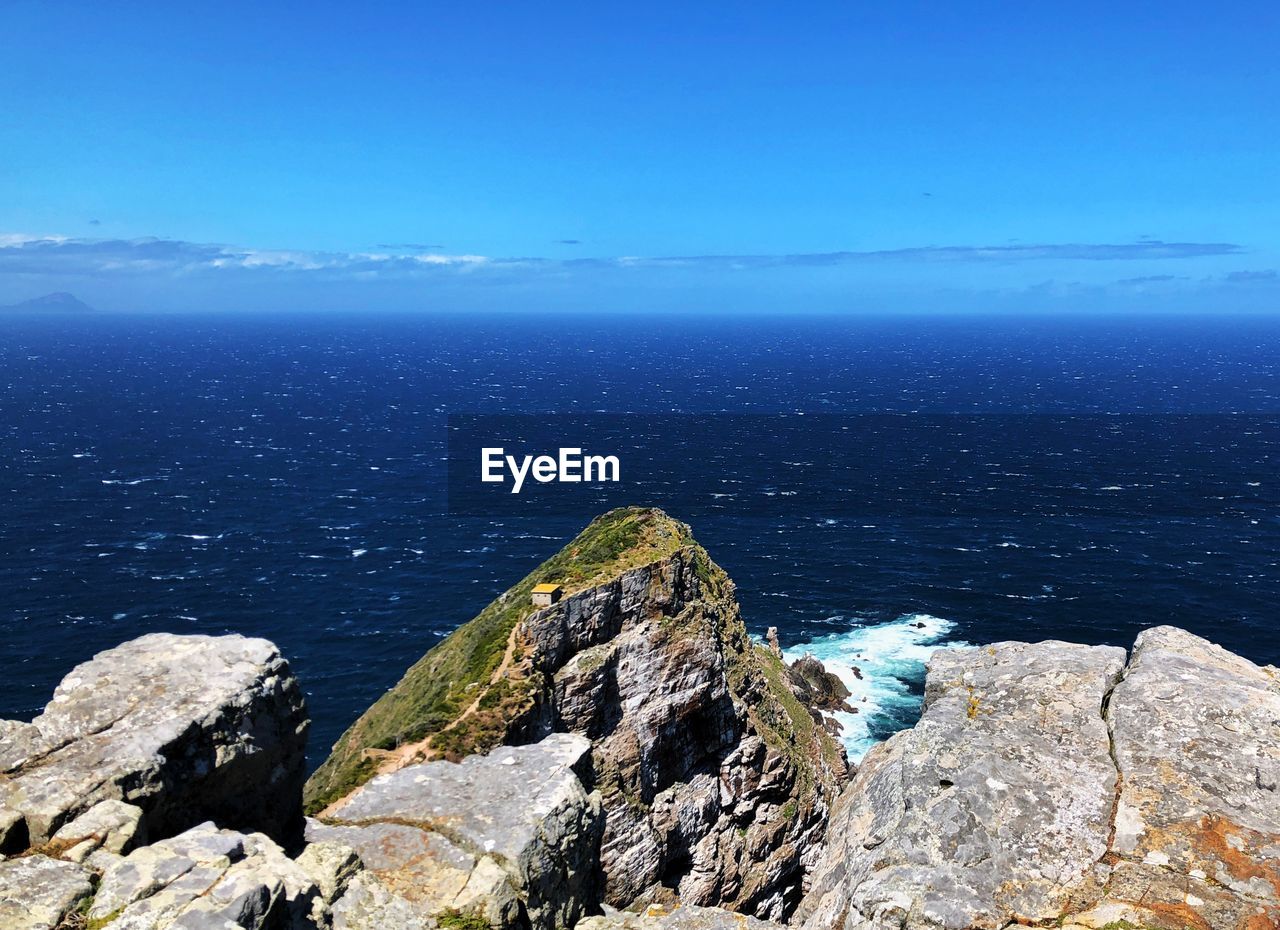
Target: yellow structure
(544,595)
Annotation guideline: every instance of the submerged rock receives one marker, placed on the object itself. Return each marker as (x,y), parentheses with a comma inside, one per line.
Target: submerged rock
(512,837)
(183,728)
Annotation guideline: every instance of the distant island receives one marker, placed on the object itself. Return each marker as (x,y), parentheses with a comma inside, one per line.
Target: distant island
(59,302)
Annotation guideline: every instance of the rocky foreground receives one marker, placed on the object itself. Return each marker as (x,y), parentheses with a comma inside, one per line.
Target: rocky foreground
(1061,785)
(627,759)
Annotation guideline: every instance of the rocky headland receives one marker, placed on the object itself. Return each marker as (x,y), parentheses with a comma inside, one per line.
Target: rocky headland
(628,758)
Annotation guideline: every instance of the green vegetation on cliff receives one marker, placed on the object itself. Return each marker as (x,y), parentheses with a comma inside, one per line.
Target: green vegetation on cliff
(453,697)
(481,686)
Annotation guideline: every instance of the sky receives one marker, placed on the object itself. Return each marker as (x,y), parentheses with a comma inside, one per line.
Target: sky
(846,157)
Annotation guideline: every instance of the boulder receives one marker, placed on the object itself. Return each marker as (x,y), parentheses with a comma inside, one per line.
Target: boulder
(184,728)
(37,892)
(993,809)
(1197,827)
(109,825)
(209,878)
(1041,787)
(512,837)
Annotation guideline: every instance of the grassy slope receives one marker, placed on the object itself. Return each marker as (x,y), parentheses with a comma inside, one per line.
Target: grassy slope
(435,691)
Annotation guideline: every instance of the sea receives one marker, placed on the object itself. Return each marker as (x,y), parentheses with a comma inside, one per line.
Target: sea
(877,487)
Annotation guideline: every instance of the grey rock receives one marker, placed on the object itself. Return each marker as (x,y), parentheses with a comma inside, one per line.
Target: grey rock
(244,896)
(186,728)
(656,668)
(512,836)
(417,871)
(143,873)
(209,878)
(678,917)
(164,904)
(331,866)
(100,860)
(36,892)
(1197,826)
(301,899)
(1006,803)
(13,831)
(994,808)
(110,825)
(371,905)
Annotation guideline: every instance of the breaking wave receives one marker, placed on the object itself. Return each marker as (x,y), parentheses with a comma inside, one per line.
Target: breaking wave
(883,666)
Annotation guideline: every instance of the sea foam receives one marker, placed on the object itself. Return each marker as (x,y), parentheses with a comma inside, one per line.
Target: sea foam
(891,658)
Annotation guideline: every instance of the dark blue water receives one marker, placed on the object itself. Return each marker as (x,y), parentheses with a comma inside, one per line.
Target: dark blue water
(285,477)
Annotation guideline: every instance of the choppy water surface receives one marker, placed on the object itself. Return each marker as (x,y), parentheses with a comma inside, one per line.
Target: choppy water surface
(284,477)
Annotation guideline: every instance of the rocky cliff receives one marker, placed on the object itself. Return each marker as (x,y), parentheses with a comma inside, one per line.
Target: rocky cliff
(160,734)
(630,745)
(1057,785)
(715,778)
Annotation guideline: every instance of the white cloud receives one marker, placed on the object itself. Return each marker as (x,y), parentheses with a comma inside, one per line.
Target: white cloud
(64,256)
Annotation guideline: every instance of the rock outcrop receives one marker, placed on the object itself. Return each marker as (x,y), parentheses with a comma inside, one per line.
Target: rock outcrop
(207,878)
(715,778)
(819,690)
(1052,785)
(512,838)
(37,892)
(181,729)
(1197,823)
(679,917)
(991,808)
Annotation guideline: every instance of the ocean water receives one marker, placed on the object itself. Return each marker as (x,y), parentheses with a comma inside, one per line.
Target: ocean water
(882,665)
(285,476)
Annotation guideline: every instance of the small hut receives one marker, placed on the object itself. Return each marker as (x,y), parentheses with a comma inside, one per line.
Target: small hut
(544,595)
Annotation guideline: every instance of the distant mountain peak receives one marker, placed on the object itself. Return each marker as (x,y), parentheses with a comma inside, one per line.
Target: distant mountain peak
(57,302)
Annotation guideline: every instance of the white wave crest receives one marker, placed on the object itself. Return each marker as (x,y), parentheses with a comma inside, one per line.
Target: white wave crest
(890,657)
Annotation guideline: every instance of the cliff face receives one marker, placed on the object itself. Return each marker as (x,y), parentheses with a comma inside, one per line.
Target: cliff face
(1054,785)
(715,779)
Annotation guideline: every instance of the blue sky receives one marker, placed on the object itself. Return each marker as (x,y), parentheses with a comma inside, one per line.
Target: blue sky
(703,157)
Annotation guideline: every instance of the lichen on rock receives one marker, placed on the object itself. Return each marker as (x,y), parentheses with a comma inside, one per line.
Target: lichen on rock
(1052,784)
